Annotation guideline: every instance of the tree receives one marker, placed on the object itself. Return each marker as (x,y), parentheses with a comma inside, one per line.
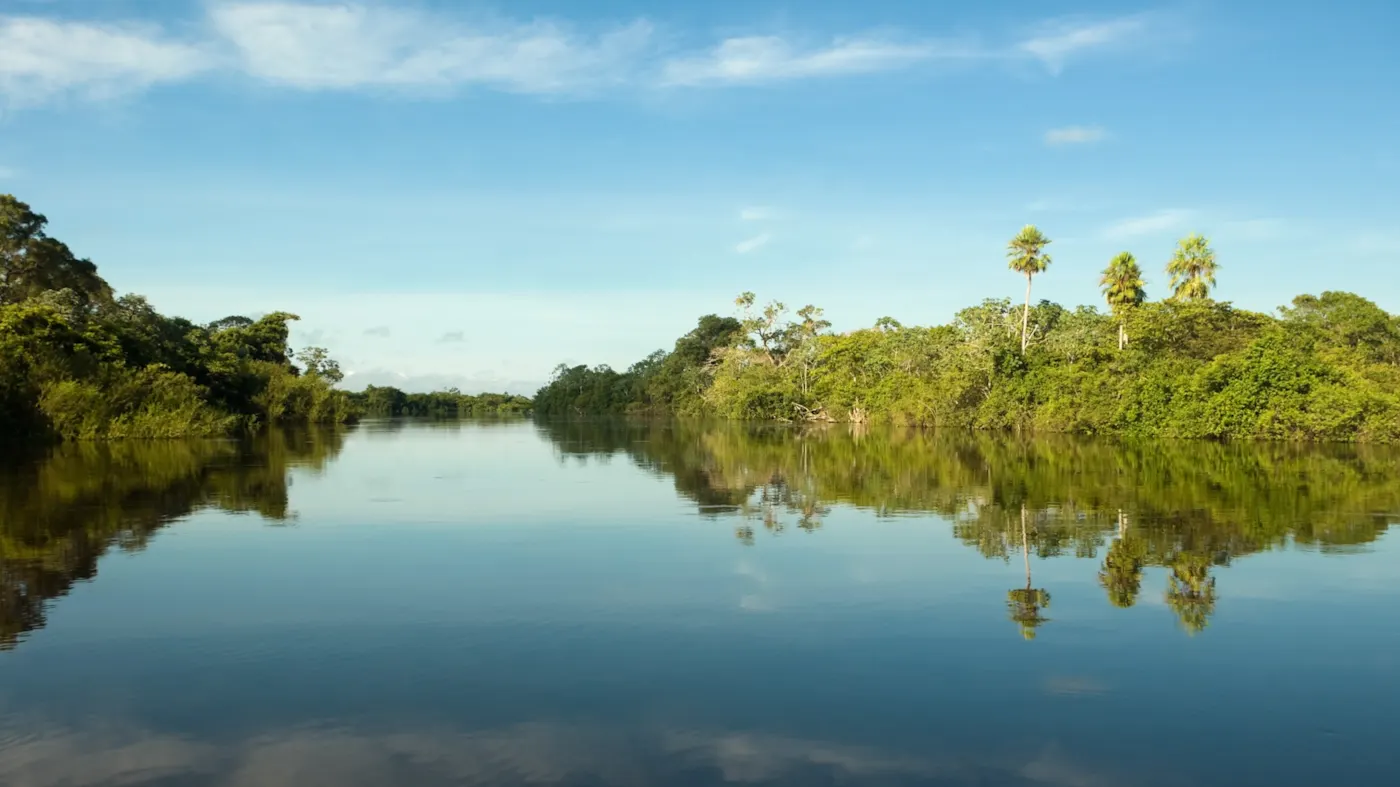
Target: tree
(32,263)
(1026,254)
(711,333)
(1192,269)
(318,362)
(1123,288)
(765,330)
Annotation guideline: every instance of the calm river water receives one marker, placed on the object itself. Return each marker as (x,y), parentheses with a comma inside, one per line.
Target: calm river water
(680,604)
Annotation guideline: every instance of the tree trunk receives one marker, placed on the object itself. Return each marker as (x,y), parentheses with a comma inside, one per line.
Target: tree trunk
(1026,314)
(1122,335)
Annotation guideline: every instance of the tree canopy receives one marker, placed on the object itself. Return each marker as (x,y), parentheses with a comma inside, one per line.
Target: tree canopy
(78,362)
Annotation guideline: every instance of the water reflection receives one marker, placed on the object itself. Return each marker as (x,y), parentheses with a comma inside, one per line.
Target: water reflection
(62,510)
(1187,507)
(459,606)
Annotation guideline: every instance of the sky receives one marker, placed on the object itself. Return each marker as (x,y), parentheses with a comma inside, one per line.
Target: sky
(462,193)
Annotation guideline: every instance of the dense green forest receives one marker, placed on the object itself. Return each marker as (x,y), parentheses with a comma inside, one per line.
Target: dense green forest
(1181,508)
(1326,367)
(389,402)
(78,362)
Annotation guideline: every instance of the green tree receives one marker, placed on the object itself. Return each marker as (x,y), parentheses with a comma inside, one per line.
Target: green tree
(1026,255)
(316,361)
(1123,288)
(1192,269)
(32,263)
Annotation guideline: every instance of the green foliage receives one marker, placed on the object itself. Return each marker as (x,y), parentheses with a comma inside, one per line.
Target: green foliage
(673,382)
(1329,369)
(76,363)
(390,402)
(1192,269)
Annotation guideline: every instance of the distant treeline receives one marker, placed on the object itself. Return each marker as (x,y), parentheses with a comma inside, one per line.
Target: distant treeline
(1326,367)
(386,401)
(76,362)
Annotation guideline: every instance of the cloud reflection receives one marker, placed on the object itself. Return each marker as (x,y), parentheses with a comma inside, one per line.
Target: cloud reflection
(537,753)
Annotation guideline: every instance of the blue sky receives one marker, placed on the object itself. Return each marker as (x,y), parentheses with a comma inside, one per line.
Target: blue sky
(454,193)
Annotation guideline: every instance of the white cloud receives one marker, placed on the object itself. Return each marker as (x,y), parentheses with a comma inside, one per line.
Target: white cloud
(755,213)
(758,59)
(1059,41)
(1075,135)
(42,59)
(350,46)
(752,244)
(1137,226)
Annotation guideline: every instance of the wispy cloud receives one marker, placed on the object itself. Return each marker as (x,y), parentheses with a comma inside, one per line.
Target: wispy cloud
(753,244)
(350,46)
(7,172)
(452,337)
(378,46)
(1075,135)
(1056,42)
(759,59)
(1137,226)
(41,59)
(378,331)
(755,213)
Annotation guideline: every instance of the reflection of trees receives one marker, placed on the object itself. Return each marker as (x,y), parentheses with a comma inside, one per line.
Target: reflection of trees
(60,512)
(1121,575)
(1184,506)
(1025,604)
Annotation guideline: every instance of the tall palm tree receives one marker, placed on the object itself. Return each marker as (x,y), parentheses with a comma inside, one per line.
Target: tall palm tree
(1026,254)
(1123,288)
(1192,269)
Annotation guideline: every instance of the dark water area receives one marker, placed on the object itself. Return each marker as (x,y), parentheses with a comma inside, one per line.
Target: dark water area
(610,603)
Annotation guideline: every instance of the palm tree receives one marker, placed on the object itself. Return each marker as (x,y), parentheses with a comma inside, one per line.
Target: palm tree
(1192,269)
(1026,254)
(1123,289)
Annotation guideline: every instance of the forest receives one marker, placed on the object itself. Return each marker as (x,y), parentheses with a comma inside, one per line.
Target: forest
(384,401)
(1325,367)
(79,362)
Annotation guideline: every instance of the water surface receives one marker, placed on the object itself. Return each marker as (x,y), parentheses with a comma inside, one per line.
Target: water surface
(677,604)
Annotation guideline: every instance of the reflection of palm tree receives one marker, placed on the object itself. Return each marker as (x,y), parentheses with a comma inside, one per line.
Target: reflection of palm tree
(1191,593)
(1025,604)
(1121,574)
